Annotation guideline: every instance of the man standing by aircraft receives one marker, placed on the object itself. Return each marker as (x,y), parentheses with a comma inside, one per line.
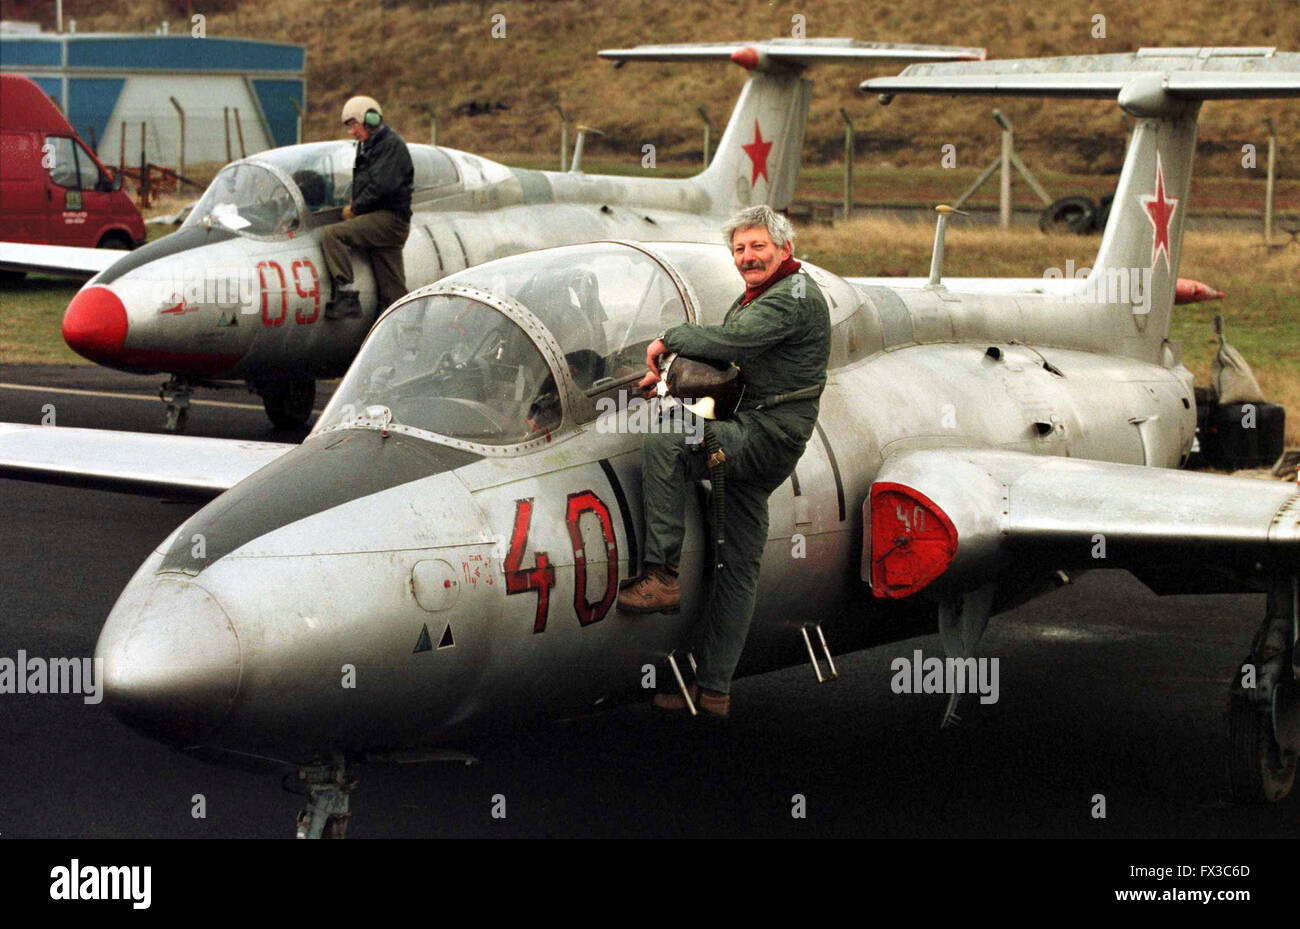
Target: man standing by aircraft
(378,219)
(778,330)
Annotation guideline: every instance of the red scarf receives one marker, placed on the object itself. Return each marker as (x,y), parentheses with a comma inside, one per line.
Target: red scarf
(783,270)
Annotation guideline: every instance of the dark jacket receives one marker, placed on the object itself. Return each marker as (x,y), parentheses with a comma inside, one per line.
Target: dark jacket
(382,175)
(782,343)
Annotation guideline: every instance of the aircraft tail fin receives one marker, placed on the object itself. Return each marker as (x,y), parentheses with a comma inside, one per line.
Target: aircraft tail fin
(1136,269)
(758,157)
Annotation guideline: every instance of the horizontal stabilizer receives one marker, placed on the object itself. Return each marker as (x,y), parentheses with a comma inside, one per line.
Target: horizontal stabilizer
(798,53)
(58,260)
(1183,73)
(132,462)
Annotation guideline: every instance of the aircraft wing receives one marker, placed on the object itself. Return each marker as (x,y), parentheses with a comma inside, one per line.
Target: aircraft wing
(951,518)
(59,260)
(133,462)
(798,52)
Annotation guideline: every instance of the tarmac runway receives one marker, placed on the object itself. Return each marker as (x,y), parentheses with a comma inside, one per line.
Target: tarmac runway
(1105,689)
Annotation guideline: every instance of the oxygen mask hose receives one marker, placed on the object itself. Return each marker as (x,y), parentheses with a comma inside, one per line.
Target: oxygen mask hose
(718,496)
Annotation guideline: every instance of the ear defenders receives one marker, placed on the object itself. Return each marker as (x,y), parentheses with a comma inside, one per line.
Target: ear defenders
(372,118)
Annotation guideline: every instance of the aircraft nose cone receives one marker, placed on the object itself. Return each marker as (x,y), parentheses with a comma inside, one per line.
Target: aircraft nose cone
(94,325)
(171,665)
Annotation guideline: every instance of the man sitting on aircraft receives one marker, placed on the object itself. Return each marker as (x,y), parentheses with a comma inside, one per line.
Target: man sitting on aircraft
(379,217)
(778,331)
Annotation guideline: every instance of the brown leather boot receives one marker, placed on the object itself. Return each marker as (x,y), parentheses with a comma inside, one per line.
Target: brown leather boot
(675,702)
(656,591)
(711,704)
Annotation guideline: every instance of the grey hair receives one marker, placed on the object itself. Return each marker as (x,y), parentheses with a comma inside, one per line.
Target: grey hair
(778,227)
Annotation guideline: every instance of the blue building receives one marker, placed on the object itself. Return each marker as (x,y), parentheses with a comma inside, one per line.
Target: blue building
(107,82)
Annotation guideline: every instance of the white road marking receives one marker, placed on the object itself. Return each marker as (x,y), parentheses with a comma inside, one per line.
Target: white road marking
(121,396)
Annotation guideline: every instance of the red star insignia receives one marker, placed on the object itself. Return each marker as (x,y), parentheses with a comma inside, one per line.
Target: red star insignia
(757,152)
(1159,209)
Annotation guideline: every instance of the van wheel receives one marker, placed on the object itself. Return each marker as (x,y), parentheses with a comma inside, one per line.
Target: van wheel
(288,403)
(115,240)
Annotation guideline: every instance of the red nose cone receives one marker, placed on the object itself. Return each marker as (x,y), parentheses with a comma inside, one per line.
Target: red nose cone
(94,325)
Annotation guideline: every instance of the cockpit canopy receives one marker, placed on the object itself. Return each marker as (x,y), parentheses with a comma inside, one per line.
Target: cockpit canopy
(515,347)
(253,197)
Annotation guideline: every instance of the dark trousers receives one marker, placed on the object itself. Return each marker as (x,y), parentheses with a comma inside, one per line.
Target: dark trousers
(381,235)
(670,464)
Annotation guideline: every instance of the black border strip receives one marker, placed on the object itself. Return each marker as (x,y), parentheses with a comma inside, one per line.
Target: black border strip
(835,469)
(624,511)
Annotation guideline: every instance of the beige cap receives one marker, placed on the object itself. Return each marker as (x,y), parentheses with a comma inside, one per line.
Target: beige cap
(356,109)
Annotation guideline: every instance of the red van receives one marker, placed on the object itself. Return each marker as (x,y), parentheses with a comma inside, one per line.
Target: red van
(53,191)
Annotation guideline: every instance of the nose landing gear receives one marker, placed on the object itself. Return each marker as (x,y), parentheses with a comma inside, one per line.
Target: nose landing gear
(326,814)
(176,394)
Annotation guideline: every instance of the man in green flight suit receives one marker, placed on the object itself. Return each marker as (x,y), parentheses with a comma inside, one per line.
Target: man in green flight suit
(778,332)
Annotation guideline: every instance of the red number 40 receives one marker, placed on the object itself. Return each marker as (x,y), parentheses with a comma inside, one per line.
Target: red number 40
(541,577)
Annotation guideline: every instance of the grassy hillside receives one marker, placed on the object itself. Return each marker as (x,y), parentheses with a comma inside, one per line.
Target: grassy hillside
(422,53)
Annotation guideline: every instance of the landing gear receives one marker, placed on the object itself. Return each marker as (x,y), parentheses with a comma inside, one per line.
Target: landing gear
(326,814)
(176,394)
(288,404)
(961,626)
(1264,706)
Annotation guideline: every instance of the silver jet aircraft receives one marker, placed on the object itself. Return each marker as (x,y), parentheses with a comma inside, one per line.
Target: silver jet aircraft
(235,295)
(451,535)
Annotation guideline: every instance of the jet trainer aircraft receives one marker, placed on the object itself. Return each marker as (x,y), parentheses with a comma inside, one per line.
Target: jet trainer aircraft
(235,295)
(454,529)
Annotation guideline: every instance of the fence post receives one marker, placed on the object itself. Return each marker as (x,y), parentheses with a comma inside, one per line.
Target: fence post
(848,162)
(180,112)
(564,135)
(1004,207)
(144,169)
(708,132)
(1271,179)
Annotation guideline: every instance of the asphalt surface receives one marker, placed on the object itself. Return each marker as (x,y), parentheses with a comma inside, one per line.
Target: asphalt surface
(1104,689)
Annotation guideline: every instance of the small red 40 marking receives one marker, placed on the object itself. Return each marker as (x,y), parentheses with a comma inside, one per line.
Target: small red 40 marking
(541,576)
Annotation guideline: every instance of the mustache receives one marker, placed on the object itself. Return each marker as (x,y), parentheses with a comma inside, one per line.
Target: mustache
(752,266)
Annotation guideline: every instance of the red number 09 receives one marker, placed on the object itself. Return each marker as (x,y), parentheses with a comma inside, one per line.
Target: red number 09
(314,292)
(262,267)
